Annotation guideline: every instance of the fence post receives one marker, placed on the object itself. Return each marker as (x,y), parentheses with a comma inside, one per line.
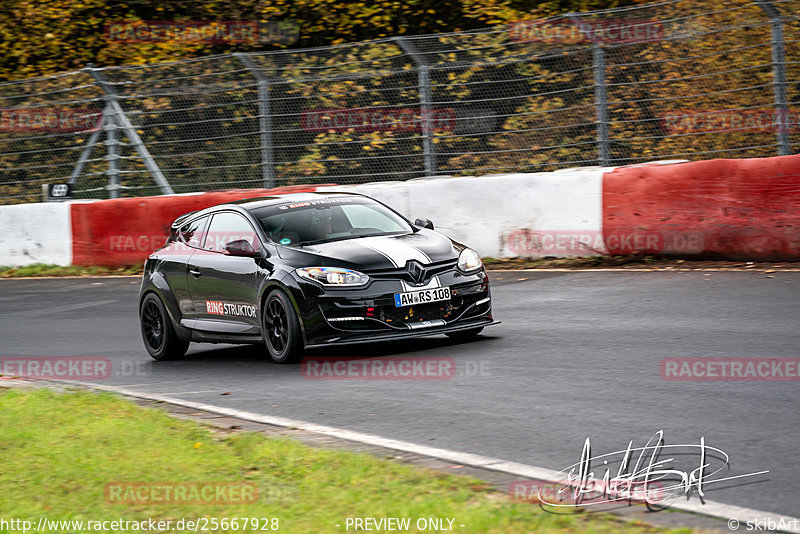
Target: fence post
(779,75)
(112,155)
(601,103)
(264,122)
(425,99)
(125,124)
(600,95)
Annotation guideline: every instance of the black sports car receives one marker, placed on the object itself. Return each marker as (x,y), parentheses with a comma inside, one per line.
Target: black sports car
(305,270)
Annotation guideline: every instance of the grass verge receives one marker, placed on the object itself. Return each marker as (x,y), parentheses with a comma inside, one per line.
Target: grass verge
(42,269)
(60,451)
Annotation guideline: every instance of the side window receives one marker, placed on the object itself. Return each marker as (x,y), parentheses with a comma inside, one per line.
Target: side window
(227,227)
(192,233)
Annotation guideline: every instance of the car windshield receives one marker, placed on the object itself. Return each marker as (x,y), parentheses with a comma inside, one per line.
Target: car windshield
(330,219)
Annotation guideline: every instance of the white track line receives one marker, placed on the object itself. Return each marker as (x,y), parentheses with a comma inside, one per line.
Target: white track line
(714,509)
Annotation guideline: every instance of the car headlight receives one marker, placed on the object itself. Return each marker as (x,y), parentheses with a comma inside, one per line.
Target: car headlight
(469,260)
(333,276)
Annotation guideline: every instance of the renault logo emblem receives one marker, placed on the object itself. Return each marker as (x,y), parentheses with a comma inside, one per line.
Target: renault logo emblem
(416,270)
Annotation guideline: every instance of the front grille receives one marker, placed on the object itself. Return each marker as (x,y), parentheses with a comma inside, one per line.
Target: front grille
(400,273)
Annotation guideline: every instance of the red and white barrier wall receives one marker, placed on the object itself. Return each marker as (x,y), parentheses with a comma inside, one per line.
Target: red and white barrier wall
(739,209)
(496,215)
(35,233)
(725,208)
(124,231)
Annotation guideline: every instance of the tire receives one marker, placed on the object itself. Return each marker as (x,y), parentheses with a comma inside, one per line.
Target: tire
(158,334)
(464,335)
(280,328)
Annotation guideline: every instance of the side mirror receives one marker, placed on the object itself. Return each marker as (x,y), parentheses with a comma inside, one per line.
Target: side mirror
(240,247)
(424,223)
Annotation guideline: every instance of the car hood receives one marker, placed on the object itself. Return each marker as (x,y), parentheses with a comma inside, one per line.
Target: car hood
(372,253)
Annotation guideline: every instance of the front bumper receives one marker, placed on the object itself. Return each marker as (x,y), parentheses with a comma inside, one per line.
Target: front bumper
(369,314)
(408,334)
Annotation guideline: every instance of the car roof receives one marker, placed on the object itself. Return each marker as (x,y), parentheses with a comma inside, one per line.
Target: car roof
(274,200)
(260,202)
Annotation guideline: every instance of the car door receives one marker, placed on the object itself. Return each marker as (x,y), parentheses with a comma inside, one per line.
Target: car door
(175,258)
(224,287)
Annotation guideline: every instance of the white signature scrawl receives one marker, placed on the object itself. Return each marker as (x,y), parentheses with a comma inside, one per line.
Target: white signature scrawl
(650,479)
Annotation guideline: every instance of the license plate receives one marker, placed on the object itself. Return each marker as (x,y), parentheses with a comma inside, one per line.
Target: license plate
(422,296)
(426,324)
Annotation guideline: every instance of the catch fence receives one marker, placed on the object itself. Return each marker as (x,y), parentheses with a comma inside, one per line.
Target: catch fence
(679,79)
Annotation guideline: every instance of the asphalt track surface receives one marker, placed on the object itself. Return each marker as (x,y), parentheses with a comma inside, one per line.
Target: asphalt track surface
(577,355)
